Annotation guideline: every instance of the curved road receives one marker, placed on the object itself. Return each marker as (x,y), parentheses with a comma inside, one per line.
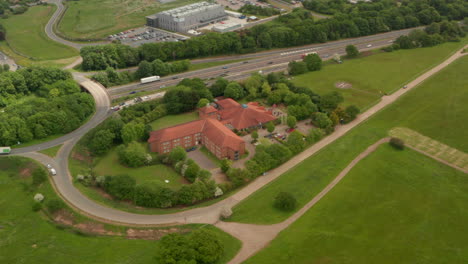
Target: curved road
(209,214)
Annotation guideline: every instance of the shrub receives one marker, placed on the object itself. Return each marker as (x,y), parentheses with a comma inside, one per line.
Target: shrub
(201,246)
(133,155)
(177,154)
(121,187)
(36,206)
(39,176)
(285,201)
(397,143)
(225,165)
(54,205)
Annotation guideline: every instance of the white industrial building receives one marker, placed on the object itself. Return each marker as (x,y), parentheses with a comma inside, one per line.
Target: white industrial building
(187,17)
(226,27)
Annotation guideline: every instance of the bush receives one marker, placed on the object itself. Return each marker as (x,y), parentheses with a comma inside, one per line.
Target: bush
(225,165)
(285,201)
(133,155)
(201,246)
(397,143)
(54,205)
(122,187)
(36,206)
(177,154)
(39,176)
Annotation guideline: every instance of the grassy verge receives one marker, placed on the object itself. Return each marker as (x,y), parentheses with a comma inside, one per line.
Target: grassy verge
(29,237)
(393,207)
(51,152)
(435,109)
(371,77)
(26,36)
(98,19)
(172,120)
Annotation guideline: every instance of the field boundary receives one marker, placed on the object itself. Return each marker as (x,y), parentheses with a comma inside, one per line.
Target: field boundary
(432,148)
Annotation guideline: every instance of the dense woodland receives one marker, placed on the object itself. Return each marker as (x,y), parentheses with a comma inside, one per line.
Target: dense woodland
(37,102)
(292,29)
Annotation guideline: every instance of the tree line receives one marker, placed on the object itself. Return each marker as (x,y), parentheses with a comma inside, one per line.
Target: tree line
(258,10)
(37,102)
(295,28)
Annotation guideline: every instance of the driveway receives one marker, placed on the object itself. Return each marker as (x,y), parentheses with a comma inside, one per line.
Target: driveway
(202,160)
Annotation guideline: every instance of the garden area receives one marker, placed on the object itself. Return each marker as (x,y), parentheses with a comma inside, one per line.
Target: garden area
(27,43)
(31,227)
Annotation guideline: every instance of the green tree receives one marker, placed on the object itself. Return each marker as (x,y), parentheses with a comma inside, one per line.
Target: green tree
(177,154)
(266,89)
(270,127)
(234,90)
(291,121)
(254,134)
(330,101)
(296,68)
(321,120)
(203,102)
(133,132)
(101,142)
(225,165)
(54,205)
(145,69)
(285,201)
(351,113)
(352,51)
(313,62)
(295,142)
(132,155)
(192,170)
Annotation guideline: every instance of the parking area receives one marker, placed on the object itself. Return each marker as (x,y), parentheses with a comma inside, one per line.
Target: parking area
(201,159)
(237,4)
(138,36)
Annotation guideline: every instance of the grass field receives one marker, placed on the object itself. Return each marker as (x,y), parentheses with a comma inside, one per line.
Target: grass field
(26,36)
(29,237)
(99,18)
(51,152)
(436,109)
(374,75)
(172,120)
(154,175)
(393,207)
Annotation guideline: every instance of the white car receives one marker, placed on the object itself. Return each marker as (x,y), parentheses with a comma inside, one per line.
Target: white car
(370,45)
(53,171)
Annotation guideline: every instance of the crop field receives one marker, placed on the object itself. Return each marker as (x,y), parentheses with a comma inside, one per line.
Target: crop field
(437,109)
(26,37)
(392,207)
(373,76)
(95,19)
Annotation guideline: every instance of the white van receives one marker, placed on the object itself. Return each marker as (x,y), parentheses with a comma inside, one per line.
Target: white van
(53,172)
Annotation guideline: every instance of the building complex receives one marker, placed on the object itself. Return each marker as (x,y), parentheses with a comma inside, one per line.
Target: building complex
(187,17)
(214,130)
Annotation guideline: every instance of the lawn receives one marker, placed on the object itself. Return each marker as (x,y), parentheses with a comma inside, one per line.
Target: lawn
(27,38)
(148,175)
(51,152)
(393,207)
(96,19)
(172,120)
(29,237)
(375,75)
(435,109)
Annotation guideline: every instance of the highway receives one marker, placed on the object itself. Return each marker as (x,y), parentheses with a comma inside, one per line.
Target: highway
(268,61)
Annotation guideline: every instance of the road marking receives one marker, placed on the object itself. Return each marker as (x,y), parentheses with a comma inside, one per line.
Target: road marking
(299,51)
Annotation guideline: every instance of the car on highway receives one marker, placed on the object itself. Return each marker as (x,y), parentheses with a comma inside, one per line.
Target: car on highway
(270,62)
(369,45)
(225,67)
(162,86)
(133,92)
(175,77)
(53,171)
(245,62)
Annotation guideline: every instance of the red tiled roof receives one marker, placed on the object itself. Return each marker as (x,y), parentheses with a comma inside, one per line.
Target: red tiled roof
(221,135)
(228,103)
(208,109)
(245,116)
(177,131)
(213,129)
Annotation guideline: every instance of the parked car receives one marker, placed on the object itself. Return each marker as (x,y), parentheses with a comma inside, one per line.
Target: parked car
(289,130)
(191,149)
(49,166)
(225,67)
(122,104)
(116,108)
(133,92)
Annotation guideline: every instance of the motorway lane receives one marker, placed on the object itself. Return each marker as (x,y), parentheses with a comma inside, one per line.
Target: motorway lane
(240,68)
